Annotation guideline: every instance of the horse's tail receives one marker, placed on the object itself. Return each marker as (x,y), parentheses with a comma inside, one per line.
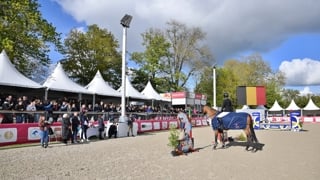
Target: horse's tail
(252,130)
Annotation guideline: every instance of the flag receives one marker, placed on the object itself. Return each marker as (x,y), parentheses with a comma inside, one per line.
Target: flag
(251,95)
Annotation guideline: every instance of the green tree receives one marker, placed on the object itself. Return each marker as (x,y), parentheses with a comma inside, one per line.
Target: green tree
(254,71)
(87,52)
(26,36)
(288,95)
(149,61)
(250,71)
(173,55)
(225,82)
(302,101)
(316,100)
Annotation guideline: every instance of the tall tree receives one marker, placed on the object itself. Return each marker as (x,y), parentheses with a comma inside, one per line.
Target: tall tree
(174,55)
(87,52)
(26,36)
(187,53)
(250,71)
(149,61)
(254,71)
(225,82)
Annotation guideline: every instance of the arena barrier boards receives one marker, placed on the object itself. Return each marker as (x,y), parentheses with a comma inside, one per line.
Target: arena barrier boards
(21,133)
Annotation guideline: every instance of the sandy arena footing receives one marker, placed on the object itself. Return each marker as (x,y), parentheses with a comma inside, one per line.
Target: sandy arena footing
(285,155)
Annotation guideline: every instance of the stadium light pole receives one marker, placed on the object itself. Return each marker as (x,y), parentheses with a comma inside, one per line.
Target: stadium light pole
(125,22)
(214,86)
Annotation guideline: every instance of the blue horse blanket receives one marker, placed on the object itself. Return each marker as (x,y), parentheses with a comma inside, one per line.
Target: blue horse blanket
(229,120)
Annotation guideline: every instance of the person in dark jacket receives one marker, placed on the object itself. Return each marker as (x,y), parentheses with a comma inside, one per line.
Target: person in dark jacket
(113,130)
(84,126)
(101,126)
(227,104)
(75,123)
(66,128)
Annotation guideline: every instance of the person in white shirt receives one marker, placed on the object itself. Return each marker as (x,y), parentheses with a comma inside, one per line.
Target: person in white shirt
(182,119)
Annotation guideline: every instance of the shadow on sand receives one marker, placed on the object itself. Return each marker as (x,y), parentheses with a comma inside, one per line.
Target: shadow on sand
(253,147)
(178,153)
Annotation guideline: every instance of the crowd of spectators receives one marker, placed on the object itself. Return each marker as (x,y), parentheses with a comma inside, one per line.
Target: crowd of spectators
(27,110)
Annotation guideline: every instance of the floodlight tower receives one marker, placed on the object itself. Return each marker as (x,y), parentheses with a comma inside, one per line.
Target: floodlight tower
(125,22)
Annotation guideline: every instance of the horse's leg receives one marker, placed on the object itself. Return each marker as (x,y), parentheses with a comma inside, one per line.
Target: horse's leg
(252,132)
(215,139)
(249,138)
(254,137)
(222,138)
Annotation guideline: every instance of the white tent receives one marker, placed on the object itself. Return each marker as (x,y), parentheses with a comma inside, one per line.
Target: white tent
(59,81)
(10,76)
(151,93)
(100,87)
(276,107)
(245,107)
(311,106)
(261,107)
(131,91)
(292,106)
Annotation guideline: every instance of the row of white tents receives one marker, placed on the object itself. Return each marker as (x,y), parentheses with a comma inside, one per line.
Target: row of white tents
(276,110)
(59,81)
(293,106)
(311,106)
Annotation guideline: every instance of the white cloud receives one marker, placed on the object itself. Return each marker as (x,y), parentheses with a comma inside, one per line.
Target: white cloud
(232,26)
(306,91)
(301,72)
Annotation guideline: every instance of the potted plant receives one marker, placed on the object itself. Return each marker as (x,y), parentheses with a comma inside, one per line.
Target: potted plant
(173,137)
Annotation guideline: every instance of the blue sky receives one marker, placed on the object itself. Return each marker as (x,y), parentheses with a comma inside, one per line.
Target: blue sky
(286,33)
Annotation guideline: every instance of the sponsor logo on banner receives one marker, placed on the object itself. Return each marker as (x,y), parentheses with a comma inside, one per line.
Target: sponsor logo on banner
(173,123)
(164,125)
(33,133)
(156,125)
(146,126)
(256,118)
(8,135)
(198,122)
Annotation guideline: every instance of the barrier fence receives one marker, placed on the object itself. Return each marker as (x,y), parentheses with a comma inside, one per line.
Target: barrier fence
(24,131)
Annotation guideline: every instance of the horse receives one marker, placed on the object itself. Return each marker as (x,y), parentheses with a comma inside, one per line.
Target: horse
(230,120)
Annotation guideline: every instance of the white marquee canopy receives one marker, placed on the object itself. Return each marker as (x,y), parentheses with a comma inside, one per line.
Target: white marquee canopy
(311,106)
(59,81)
(100,87)
(132,92)
(10,76)
(151,93)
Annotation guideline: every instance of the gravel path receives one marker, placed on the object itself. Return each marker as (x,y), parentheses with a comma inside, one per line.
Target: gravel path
(285,155)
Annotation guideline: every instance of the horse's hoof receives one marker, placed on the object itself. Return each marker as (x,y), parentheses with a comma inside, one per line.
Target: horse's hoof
(254,150)
(214,147)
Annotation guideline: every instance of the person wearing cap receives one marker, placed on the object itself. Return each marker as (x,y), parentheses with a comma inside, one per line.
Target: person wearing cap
(227,104)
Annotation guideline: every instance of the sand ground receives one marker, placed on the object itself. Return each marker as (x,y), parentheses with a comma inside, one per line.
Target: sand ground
(285,155)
